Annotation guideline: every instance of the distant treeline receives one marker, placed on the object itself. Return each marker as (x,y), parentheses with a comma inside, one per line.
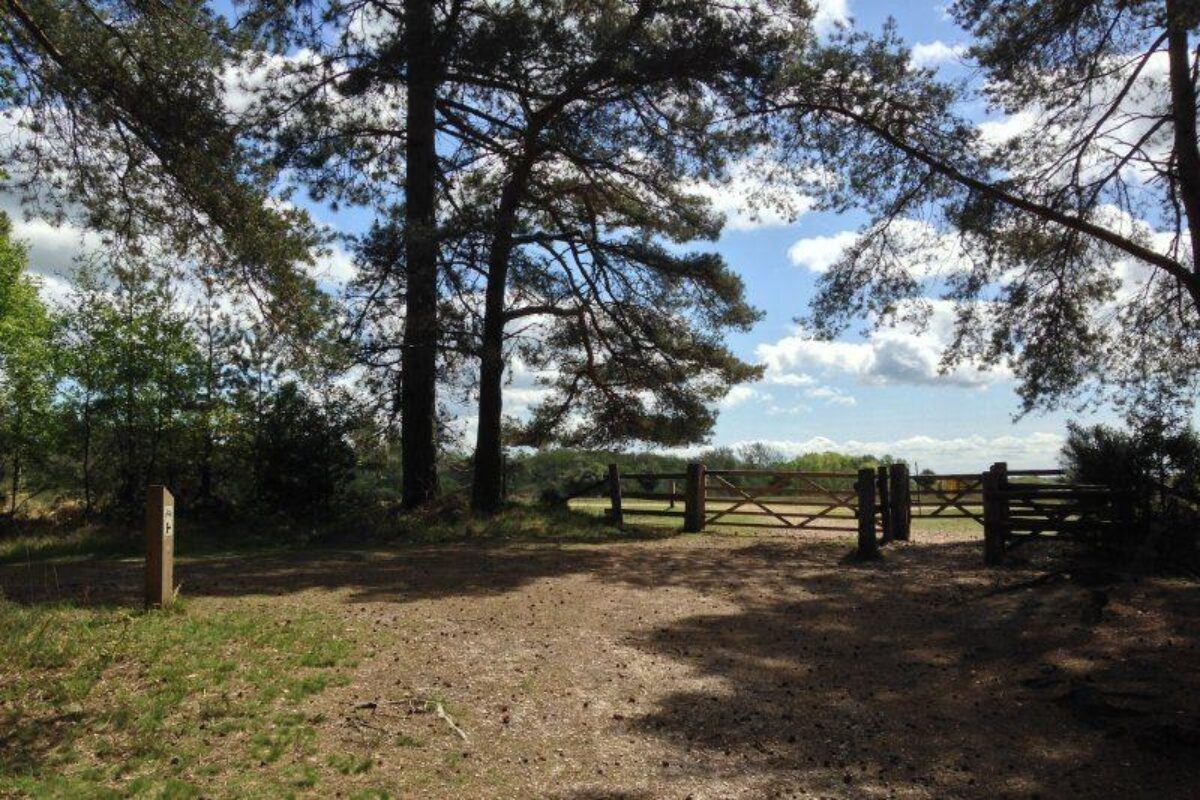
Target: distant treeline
(131,384)
(546,473)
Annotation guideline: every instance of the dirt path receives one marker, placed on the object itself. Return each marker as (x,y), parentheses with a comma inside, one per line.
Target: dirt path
(711,667)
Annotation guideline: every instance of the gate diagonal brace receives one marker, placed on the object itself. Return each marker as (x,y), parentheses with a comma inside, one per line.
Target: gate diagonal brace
(775,485)
(956,500)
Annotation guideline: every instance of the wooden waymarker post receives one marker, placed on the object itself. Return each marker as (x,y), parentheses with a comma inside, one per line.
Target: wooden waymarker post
(160,547)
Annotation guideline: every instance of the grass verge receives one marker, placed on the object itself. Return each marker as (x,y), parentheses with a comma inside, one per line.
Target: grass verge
(200,700)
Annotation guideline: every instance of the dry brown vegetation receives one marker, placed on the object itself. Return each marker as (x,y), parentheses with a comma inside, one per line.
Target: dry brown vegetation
(710,667)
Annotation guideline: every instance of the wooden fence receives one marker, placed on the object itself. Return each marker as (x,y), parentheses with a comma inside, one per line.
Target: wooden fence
(960,495)
(872,503)
(878,505)
(1018,511)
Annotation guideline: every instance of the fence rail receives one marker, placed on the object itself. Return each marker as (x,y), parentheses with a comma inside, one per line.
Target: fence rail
(1016,513)
(1013,506)
(873,504)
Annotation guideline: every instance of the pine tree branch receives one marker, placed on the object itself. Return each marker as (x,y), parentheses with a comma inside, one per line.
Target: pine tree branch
(1174,268)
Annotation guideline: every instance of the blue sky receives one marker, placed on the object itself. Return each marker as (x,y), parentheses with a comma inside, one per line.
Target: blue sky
(942,422)
(876,394)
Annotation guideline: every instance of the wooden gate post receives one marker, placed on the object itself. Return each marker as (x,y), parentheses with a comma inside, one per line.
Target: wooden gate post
(160,547)
(694,513)
(995,513)
(868,547)
(614,495)
(885,504)
(900,499)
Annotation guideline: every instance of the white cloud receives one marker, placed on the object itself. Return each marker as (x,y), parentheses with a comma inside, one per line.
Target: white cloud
(1140,102)
(737,396)
(1037,450)
(757,195)
(819,253)
(925,251)
(336,267)
(931,54)
(893,356)
(463,428)
(53,248)
(777,410)
(831,14)
(998,131)
(832,396)
(526,387)
(519,399)
(780,377)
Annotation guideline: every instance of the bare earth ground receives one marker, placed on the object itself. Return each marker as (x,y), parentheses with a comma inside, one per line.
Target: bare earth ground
(731,667)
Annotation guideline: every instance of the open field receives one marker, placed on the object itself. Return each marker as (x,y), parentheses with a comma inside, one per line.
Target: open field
(929,529)
(631,666)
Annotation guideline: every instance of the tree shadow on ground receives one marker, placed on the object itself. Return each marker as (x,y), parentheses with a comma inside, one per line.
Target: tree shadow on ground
(905,678)
(408,573)
(923,674)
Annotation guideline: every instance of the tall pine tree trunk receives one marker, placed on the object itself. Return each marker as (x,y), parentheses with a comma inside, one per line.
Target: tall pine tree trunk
(487,487)
(1180,17)
(418,389)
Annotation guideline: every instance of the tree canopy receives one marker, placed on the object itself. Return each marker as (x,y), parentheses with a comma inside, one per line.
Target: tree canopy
(119,121)
(528,171)
(1069,249)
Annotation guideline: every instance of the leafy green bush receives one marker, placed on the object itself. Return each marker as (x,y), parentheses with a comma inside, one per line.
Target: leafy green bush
(304,458)
(1160,467)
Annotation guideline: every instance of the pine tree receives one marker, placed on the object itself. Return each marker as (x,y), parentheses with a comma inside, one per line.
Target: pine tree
(122,123)
(1074,244)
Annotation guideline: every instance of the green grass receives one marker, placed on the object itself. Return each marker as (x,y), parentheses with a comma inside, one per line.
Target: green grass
(94,541)
(449,522)
(98,702)
(350,763)
(737,523)
(89,541)
(111,702)
(517,523)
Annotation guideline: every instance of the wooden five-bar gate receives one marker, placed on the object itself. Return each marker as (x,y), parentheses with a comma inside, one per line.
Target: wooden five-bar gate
(1013,506)
(873,503)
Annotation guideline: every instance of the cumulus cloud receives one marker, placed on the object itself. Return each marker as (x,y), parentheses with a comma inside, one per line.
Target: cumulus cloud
(894,356)
(780,377)
(775,410)
(757,195)
(832,396)
(1141,101)
(931,54)
(53,248)
(335,268)
(819,253)
(737,396)
(926,251)
(998,131)
(831,14)
(526,387)
(1035,450)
